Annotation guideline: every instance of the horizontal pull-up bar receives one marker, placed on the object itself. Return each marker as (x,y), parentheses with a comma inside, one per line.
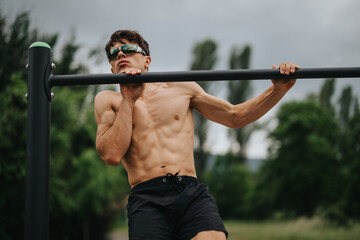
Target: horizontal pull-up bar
(203,75)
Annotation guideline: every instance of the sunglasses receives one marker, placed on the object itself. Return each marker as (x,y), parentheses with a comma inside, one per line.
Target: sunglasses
(128,48)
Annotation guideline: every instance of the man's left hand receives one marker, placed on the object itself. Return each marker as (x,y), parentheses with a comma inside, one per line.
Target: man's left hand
(287,69)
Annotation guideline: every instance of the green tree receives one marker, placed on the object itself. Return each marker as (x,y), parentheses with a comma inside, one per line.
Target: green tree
(238,92)
(302,172)
(314,159)
(84,192)
(12,164)
(347,115)
(344,115)
(15,39)
(352,186)
(204,58)
(326,93)
(231,184)
(345,102)
(349,151)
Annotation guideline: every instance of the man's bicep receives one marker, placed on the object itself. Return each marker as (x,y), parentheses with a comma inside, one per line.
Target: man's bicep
(213,108)
(104,119)
(104,114)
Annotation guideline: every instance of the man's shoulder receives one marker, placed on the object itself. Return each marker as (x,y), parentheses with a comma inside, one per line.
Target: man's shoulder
(107,95)
(191,87)
(105,99)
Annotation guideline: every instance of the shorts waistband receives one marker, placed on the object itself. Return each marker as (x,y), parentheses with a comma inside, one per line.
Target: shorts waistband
(182,178)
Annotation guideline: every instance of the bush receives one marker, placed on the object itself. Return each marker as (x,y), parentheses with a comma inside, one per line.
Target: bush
(231,185)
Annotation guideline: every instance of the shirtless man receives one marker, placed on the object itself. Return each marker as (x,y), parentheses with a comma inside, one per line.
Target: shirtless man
(149,128)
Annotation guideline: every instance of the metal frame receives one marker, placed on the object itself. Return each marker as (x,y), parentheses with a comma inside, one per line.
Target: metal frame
(40,82)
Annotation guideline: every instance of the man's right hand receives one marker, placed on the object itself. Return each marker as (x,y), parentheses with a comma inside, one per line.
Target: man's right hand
(131,91)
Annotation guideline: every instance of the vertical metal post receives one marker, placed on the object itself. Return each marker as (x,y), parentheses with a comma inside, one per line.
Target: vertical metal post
(38,144)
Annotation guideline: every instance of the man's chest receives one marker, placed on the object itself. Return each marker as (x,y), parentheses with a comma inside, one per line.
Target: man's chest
(162,108)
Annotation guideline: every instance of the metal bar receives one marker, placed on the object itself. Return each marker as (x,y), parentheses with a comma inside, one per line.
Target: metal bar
(203,75)
(38,145)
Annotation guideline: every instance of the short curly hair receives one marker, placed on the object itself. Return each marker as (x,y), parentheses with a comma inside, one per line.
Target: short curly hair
(131,36)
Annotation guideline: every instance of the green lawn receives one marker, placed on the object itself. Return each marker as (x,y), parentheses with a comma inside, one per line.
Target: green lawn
(300,229)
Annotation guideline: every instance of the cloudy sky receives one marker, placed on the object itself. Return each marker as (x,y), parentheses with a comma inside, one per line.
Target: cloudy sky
(312,33)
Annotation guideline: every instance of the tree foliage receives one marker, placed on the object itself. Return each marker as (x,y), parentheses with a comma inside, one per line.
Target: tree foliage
(85,194)
(238,92)
(349,149)
(301,174)
(15,41)
(314,159)
(231,184)
(12,154)
(204,58)
(326,93)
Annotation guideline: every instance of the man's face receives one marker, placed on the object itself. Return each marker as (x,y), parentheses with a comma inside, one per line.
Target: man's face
(130,60)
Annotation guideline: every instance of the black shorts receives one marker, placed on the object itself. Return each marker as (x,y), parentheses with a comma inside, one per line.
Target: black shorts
(172,207)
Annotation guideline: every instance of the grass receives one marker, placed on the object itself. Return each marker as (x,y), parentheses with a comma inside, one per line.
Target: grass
(300,229)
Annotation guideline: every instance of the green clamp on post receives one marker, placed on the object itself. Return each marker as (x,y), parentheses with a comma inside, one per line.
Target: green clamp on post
(40,44)
(49,68)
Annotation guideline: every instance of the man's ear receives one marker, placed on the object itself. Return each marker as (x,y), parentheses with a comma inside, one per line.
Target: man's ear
(147,61)
(112,70)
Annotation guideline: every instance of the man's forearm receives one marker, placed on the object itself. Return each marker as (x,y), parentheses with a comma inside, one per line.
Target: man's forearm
(257,107)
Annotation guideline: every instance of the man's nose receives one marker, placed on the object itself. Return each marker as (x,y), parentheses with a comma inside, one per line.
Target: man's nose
(121,54)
